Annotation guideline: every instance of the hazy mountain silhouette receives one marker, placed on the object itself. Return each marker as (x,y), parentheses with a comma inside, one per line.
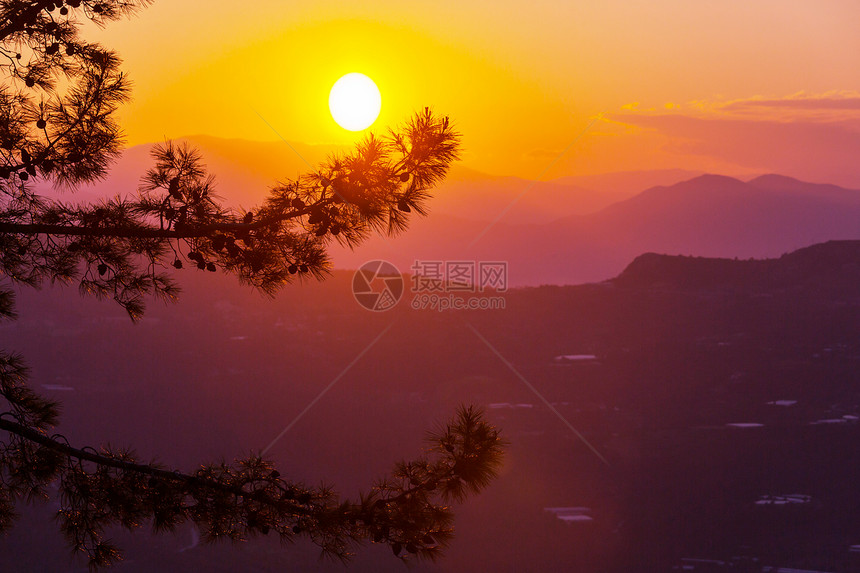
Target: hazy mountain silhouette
(714,215)
(710,215)
(563,231)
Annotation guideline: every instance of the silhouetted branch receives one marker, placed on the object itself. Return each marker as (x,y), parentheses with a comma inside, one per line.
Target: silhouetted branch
(186,232)
(57,104)
(250,497)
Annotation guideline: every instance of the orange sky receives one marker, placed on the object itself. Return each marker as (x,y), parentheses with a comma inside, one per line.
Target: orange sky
(727,86)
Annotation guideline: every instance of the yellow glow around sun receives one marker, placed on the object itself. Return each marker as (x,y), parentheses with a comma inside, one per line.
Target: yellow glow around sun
(355,102)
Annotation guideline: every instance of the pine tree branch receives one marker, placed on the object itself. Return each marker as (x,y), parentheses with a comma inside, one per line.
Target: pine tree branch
(65,449)
(18,22)
(187,231)
(106,461)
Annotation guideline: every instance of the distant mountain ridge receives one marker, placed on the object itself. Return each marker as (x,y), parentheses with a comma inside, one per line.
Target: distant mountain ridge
(563,231)
(821,267)
(709,215)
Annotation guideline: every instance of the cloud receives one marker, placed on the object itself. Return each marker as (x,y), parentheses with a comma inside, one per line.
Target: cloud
(852,103)
(814,137)
(831,106)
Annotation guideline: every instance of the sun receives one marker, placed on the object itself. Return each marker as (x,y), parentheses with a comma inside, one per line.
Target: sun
(355,102)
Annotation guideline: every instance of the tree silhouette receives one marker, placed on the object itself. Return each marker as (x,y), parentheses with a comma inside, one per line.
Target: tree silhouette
(57,104)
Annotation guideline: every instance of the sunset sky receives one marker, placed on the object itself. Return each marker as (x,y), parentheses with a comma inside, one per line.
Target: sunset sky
(734,87)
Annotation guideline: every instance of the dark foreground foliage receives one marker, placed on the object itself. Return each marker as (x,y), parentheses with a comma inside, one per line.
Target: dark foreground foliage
(57,99)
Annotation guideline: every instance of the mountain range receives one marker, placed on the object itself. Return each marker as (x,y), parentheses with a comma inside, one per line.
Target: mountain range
(564,231)
(708,215)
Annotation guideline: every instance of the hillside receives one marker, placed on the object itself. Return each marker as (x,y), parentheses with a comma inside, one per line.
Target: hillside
(737,381)
(832,267)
